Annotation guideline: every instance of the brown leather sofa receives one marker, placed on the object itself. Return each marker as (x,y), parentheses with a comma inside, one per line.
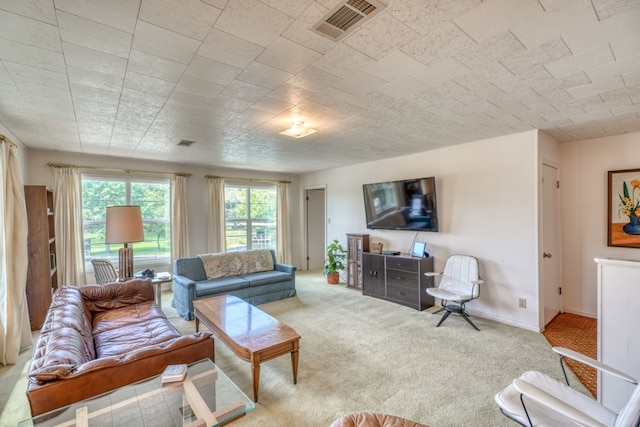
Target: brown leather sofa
(97,338)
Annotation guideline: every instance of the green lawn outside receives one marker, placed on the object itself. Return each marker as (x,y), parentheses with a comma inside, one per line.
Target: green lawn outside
(99,250)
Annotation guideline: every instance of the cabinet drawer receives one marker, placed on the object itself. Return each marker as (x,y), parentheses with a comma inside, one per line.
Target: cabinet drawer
(402,278)
(403,294)
(406,264)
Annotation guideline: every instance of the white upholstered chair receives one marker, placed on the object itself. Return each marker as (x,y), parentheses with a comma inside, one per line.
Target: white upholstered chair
(536,399)
(459,283)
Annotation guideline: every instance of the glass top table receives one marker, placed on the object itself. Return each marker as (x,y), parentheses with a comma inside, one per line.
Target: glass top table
(205,398)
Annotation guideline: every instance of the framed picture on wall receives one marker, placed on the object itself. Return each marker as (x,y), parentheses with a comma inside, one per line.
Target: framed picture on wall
(624,208)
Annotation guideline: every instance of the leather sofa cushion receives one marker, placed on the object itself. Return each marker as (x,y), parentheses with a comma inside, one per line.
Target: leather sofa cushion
(366,419)
(66,338)
(120,331)
(110,296)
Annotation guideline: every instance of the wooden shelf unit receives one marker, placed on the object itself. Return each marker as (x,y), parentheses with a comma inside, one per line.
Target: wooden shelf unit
(356,245)
(398,278)
(42,277)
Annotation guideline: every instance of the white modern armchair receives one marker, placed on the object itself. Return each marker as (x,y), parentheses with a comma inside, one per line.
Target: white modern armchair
(459,283)
(536,399)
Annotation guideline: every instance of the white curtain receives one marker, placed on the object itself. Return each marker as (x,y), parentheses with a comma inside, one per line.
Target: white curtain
(67,194)
(15,329)
(215,216)
(179,224)
(282,223)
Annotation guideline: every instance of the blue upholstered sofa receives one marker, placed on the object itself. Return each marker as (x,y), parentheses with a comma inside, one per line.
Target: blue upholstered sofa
(252,275)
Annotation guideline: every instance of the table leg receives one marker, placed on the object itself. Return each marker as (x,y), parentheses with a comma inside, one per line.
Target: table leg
(158,293)
(255,374)
(294,364)
(197,324)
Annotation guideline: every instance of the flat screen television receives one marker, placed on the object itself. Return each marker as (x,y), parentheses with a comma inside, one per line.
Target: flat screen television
(409,204)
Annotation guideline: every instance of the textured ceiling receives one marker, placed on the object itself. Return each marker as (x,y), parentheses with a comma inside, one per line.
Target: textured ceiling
(132,78)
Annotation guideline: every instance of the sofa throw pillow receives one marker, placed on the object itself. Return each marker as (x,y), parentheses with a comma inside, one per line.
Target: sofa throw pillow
(237,263)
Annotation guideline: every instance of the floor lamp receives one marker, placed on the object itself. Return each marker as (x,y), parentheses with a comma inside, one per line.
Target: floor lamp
(124,225)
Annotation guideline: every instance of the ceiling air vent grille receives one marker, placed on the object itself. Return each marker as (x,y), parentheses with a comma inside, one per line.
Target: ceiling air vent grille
(345,16)
(185,143)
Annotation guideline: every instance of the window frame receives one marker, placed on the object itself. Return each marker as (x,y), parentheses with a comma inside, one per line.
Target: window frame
(128,182)
(249,232)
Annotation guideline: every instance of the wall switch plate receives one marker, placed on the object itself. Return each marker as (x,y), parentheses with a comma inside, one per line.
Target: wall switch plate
(522,302)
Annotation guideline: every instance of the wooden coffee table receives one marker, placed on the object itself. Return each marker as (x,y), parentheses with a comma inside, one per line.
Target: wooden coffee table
(252,334)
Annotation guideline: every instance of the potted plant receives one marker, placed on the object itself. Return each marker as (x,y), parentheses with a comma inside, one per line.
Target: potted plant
(334,262)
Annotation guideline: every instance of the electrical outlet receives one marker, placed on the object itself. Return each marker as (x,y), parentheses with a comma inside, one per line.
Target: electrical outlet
(522,302)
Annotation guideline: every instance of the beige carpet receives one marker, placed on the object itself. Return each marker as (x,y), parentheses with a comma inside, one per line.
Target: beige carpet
(362,354)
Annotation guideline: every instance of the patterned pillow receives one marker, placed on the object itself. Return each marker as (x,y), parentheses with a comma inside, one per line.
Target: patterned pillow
(237,263)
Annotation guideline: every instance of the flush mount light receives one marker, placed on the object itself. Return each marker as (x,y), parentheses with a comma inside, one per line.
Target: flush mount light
(298,130)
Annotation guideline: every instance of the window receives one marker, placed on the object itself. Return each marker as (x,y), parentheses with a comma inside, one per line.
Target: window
(250,217)
(153,197)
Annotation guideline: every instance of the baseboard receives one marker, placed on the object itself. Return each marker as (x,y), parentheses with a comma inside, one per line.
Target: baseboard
(580,313)
(509,322)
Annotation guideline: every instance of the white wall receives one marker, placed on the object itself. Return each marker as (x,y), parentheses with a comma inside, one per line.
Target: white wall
(487,203)
(583,185)
(38,173)
(487,193)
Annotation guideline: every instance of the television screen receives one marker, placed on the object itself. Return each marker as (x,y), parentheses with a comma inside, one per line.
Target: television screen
(402,205)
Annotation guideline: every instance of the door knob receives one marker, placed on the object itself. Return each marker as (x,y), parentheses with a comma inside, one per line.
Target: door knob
(546,255)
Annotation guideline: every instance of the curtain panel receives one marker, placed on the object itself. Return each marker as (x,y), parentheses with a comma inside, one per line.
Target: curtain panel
(179,223)
(283,221)
(15,329)
(67,199)
(216,235)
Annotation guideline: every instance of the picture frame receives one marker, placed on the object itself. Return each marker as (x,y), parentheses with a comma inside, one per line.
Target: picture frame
(623,212)
(418,249)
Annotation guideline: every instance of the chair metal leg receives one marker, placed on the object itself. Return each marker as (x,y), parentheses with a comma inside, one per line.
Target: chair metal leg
(459,309)
(439,311)
(465,316)
(443,318)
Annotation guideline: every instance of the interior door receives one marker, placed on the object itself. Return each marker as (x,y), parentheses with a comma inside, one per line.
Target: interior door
(551,266)
(315,216)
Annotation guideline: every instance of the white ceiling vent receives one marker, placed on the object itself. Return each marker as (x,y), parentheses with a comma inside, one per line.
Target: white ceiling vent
(185,143)
(348,15)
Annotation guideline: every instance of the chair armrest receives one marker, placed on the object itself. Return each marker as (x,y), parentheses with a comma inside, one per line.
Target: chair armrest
(543,398)
(589,361)
(477,282)
(183,281)
(285,268)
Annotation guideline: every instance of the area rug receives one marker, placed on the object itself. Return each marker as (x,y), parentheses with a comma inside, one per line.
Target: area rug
(578,333)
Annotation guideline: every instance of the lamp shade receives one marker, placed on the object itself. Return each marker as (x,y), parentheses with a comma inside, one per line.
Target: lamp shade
(124,224)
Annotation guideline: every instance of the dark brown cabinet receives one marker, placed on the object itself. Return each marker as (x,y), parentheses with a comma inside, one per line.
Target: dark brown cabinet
(42,279)
(373,276)
(398,278)
(357,244)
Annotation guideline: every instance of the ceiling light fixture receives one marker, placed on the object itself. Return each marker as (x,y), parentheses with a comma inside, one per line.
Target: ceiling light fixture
(298,130)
